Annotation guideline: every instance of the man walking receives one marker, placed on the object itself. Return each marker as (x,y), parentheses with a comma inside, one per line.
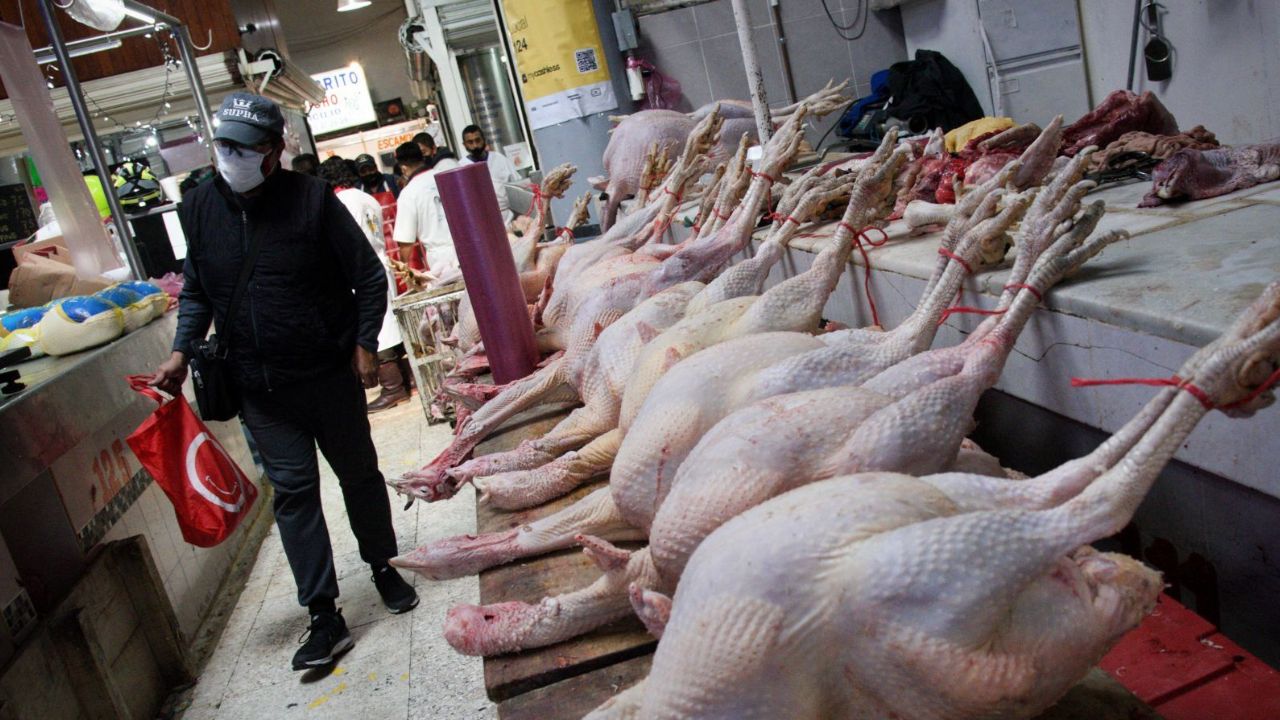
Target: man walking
(501,169)
(302,345)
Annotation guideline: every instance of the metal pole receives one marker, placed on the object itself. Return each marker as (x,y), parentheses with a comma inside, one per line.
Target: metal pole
(197,85)
(784,55)
(742,18)
(89,42)
(91,138)
(1133,42)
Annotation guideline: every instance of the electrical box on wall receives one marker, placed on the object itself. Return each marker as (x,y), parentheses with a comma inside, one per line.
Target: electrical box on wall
(624,26)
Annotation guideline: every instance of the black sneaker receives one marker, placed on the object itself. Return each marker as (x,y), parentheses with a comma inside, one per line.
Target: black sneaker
(324,640)
(398,595)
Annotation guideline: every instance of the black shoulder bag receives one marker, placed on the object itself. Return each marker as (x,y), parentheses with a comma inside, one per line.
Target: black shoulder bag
(216,393)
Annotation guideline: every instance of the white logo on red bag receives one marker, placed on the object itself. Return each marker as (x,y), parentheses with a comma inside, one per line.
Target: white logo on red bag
(205,485)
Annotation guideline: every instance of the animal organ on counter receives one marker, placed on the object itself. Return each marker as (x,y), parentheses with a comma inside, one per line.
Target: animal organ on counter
(1157,146)
(1197,174)
(1121,112)
(957,596)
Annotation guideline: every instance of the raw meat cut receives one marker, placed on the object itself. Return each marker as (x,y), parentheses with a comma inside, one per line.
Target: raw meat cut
(1198,174)
(1157,146)
(1121,112)
(955,596)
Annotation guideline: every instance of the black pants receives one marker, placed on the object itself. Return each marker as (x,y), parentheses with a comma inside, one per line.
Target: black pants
(287,424)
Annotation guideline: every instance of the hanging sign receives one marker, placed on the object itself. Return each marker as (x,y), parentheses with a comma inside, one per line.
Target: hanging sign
(346,101)
(560,59)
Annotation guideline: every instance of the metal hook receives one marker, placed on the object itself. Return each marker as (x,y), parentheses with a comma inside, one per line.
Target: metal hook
(1150,17)
(207,45)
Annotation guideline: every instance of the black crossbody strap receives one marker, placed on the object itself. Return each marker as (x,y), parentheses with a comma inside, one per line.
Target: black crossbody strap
(242,283)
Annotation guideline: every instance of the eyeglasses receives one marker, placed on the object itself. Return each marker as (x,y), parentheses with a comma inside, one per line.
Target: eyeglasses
(230,147)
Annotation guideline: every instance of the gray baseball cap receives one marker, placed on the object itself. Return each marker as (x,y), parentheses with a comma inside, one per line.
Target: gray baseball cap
(248,119)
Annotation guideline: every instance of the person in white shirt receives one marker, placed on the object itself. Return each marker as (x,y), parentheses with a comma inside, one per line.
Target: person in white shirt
(500,167)
(392,367)
(420,214)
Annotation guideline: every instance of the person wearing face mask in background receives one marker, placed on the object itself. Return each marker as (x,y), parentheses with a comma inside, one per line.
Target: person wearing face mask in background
(373,180)
(303,346)
(501,170)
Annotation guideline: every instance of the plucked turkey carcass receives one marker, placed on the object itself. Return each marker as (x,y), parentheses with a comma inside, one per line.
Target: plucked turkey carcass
(910,418)
(707,393)
(950,596)
(793,305)
(667,130)
(600,293)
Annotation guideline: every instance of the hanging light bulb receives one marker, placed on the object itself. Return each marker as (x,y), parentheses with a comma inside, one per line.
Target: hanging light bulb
(349,5)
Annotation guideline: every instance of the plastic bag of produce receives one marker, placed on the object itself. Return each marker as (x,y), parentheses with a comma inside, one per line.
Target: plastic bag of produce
(209,492)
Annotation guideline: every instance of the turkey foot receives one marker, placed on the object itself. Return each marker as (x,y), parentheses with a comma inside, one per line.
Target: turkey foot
(523,457)
(511,626)
(469,554)
(530,488)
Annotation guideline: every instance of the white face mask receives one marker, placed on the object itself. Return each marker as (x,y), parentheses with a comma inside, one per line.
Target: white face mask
(241,168)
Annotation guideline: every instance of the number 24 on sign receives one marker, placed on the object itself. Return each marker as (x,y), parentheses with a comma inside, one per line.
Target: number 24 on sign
(111,466)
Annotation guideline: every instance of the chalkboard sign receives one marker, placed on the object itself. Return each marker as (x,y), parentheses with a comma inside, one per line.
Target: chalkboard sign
(17,220)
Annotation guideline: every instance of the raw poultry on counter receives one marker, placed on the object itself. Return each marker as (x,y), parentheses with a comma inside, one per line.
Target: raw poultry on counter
(822,538)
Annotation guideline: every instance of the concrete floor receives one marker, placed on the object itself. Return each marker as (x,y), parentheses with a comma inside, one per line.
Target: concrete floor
(400,666)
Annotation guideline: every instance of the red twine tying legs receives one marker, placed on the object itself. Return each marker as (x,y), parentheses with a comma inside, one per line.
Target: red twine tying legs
(948,254)
(967,310)
(766,176)
(1024,286)
(980,311)
(679,197)
(858,237)
(566,231)
(1177,382)
(776,217)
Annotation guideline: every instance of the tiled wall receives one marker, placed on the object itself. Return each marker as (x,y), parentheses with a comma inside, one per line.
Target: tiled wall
(698,46)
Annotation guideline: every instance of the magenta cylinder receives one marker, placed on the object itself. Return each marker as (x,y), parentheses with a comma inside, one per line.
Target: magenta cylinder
(489,270)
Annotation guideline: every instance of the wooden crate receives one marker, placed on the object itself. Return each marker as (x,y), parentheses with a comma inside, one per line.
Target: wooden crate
(425,319)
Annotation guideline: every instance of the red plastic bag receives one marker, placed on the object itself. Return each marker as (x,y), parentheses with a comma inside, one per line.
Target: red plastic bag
(209,492)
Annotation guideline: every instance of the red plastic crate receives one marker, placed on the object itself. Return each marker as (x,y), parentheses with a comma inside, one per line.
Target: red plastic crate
(1183,667)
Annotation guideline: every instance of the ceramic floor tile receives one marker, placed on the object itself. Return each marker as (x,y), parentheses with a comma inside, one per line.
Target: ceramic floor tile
(444,683)
(371,680)
(248,674)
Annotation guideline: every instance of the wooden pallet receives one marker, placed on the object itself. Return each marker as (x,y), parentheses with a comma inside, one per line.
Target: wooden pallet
(530,581)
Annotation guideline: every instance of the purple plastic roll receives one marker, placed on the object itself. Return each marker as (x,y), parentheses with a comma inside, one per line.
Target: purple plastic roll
(484,254)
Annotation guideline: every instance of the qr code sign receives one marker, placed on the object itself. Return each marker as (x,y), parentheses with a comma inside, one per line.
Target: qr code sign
(586,60)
